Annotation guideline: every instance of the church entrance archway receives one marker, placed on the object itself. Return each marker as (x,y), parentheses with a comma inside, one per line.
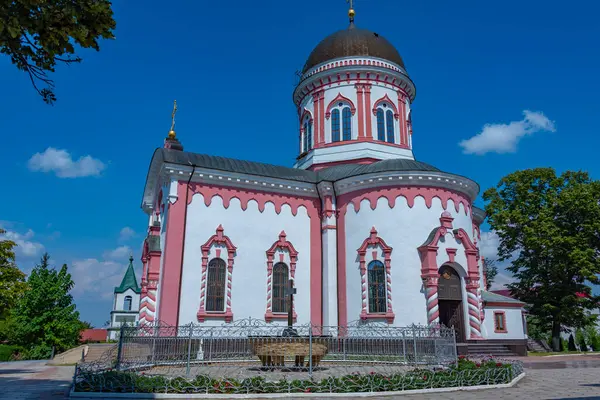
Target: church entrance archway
(450,301)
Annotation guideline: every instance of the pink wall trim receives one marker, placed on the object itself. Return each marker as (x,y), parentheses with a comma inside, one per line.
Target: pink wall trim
(245,195)
(339,98)
(316,167)
(367,114)
(361,111)
(387,100)
(364,139)
(409,193)
(341,267)
(322,117)
(317,119)
(221,240)
(503,314)
(375,241)
(168,305)
(316,271)
(282,244)
(403,122)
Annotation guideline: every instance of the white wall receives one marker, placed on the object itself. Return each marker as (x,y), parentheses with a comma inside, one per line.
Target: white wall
(253,233)
(514,323)
(120,300)
(404,229)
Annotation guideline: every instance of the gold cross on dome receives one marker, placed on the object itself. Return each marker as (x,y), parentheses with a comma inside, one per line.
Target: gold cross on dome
(351,11)
(173,115)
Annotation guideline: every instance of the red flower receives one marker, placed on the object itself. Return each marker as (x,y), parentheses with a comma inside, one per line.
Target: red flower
(478,365)
(143,373)
(498,364)
(372,372)
(461,357)
(424,377)
(307,390)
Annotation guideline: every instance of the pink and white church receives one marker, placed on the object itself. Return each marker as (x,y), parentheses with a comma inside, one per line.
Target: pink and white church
(367,232)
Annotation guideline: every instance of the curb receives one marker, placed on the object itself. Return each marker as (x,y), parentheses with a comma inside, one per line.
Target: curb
(89,395)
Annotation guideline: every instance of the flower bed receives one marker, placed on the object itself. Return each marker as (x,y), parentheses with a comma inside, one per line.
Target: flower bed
(464,373)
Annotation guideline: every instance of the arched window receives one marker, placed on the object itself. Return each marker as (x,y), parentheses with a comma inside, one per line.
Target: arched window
(280,282)
(376,284)
(127,303)
(347,123)
(335,125)
(380,125)
(389,119)
(215,285)
(307,137)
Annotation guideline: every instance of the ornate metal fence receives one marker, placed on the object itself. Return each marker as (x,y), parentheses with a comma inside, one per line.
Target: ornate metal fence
(251,348)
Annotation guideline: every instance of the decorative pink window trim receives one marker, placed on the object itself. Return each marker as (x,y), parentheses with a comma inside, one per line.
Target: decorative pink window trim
(496,329)
(375,241)
(221,240)
(281,244)
(387,100)
(340,98)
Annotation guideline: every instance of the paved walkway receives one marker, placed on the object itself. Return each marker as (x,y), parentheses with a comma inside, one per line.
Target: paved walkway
(34,380)
(548,378)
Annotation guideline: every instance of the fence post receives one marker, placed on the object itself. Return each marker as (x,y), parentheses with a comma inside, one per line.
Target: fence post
(454,345)
(404,345)
(120,347)
(189,351)
(52,355)
(414,344)
(310,348)
(154,335)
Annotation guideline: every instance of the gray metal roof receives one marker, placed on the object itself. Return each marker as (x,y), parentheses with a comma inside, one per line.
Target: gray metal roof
(295,174)
(331,174)
(496,298)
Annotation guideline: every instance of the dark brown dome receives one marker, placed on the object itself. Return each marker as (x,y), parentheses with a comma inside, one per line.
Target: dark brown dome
(352,42)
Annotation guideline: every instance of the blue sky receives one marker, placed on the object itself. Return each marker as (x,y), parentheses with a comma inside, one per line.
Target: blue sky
(231,65)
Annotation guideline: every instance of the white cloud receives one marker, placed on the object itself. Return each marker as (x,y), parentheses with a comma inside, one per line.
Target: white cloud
(61,163)
(488,245)
(26,247)
(94,278)
(501,280)
(126,234)
(121,253)
(504,138)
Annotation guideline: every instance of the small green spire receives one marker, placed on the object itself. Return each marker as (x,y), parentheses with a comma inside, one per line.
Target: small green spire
(129,280)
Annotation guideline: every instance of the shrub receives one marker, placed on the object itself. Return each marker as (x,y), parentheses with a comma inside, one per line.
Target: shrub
(572,343)
(8,353)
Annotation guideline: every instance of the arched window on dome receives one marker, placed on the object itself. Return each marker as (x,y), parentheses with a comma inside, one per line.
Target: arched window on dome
(389,119)
(380,125)
(215,285)
(347,123)
(376,285)
(280,282)
(335,125)
(307,136)
(385,122)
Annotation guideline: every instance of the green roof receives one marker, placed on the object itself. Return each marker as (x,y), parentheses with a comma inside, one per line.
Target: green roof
(129,280)
(496,298)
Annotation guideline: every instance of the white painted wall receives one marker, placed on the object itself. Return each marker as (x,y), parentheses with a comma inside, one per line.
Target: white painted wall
(404,229)
(253,233)
(119,302)
(514,324)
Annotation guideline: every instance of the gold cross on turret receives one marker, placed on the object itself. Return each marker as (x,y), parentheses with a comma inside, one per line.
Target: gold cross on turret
(172,131)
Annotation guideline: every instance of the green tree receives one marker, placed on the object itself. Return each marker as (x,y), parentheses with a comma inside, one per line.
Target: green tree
(46,315)
(491,270)
(549,226)
(12,279)
(38,34)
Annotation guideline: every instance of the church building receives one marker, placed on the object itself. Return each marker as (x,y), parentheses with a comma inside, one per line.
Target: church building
(367,233)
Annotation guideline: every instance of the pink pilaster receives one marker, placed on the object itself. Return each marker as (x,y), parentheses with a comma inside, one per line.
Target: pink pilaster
(168,305)
(361,111)
(402,119)
(367,88)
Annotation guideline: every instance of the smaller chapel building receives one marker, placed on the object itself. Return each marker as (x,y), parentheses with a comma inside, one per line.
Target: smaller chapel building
(126,303)
(368,233)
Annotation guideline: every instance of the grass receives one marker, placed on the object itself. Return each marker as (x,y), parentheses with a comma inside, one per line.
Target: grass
(552,353)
